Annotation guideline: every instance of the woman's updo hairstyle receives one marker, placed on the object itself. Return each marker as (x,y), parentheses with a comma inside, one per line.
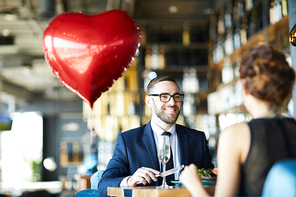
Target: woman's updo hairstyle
(268,75)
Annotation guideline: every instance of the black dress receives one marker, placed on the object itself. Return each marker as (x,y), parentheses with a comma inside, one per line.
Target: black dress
(272,139)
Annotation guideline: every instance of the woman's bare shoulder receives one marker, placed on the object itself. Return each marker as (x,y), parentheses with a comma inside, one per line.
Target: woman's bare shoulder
(237,138)
(236,130)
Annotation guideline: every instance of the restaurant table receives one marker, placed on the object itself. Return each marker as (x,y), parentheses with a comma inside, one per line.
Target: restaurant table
(153,191)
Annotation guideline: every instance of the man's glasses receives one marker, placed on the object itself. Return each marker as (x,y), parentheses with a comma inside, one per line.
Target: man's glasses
(166,97)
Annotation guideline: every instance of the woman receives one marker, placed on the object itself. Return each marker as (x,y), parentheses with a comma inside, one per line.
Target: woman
(246,151)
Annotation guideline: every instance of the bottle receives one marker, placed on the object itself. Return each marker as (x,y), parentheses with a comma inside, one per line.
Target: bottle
(248,5)
(243,32)
(277,11)
(154,57)
(148,57)
(241,8)
(228,44)
(228,16)
(186,34)
(161,58)
(284,8)
(271,12)
(237,34)
(64,160)
(213,29)
(252,23)
(143,34)
(235,10)
(75,152)
(220,25)
(238,14)
(259,16)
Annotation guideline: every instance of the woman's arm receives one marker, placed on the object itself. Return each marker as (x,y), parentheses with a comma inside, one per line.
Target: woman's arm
(233,148)
(191,180)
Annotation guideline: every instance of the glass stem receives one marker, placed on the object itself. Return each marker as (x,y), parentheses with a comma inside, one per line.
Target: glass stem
(163,169)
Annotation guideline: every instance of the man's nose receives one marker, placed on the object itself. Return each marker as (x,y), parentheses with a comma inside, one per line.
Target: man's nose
(171,101)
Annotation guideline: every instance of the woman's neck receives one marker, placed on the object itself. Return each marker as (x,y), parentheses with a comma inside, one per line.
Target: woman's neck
(265,110)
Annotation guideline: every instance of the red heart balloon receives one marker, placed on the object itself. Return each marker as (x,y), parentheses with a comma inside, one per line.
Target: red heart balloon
(89,52)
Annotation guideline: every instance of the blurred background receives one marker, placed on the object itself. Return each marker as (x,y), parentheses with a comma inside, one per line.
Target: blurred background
(45,138)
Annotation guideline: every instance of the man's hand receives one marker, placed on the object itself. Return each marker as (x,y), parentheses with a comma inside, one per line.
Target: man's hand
(143,176)
(215,171)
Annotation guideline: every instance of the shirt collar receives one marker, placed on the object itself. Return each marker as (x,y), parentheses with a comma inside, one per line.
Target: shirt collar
(159,130)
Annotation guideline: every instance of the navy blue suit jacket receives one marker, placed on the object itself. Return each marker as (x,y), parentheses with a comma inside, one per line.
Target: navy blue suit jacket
(136,148)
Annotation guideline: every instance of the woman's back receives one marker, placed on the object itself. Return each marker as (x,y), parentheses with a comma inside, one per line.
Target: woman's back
(272,139)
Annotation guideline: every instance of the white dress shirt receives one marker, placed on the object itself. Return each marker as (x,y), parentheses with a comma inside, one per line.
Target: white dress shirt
(157,131)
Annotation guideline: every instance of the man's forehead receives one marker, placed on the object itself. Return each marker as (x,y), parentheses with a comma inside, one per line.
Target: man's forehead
(166,86)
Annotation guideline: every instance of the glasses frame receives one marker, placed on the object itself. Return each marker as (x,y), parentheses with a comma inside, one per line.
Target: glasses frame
(176,94)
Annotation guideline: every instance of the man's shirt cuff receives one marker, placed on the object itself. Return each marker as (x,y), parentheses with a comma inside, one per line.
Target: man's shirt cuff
(123,183)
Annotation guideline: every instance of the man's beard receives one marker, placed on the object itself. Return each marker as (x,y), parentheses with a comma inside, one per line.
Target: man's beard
(164,117)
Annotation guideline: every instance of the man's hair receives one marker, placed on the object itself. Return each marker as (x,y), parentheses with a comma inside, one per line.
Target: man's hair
(160,79)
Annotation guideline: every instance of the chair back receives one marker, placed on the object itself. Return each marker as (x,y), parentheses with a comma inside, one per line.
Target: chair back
(95,179)
(281,179)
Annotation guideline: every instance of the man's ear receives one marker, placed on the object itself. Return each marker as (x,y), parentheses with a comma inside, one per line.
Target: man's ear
(148,101)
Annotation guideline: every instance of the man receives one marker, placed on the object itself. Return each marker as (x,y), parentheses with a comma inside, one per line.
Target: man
(135,160)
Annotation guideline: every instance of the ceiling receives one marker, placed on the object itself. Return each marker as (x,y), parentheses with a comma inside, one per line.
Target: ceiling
(24,72)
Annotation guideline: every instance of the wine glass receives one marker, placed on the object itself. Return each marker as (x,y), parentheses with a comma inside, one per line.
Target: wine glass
(164,154)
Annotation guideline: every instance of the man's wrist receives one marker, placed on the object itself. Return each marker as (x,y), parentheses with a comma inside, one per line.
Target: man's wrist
(124,182)
(128,180)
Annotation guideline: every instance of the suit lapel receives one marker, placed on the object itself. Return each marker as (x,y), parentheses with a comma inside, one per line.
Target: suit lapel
(149,141)
(183,144)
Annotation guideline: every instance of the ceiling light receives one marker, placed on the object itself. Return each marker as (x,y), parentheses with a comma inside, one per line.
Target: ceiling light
(50,164)
(10,17)
(5,32)
(173,9)
(72,126)
(31,87)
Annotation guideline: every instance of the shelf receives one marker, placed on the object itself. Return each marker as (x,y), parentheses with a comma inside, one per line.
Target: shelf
(178,45)
(180,69)
(223,85)
(277,36)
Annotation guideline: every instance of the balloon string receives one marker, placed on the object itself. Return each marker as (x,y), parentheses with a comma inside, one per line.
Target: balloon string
(91,129)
